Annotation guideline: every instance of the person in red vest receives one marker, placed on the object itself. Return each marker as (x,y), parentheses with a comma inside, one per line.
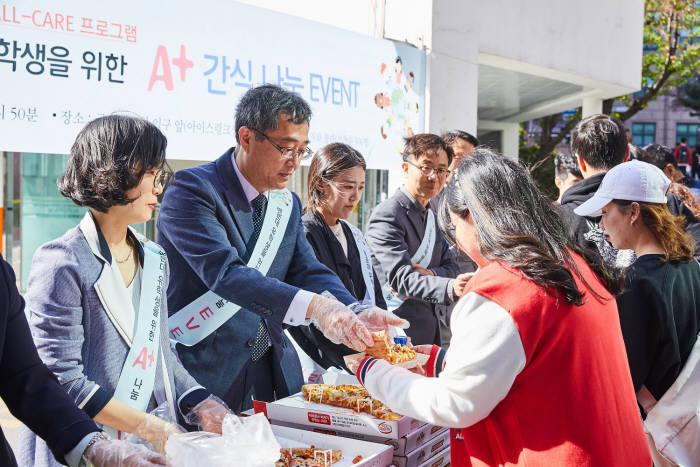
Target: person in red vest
(684,156)
(536,373)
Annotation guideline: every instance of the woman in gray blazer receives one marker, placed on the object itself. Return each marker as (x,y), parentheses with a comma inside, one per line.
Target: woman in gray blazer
(96,296)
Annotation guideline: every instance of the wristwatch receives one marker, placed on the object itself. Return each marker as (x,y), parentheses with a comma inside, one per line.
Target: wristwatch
(96,437)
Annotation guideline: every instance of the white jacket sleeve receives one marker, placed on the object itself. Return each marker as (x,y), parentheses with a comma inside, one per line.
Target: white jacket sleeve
(485,355)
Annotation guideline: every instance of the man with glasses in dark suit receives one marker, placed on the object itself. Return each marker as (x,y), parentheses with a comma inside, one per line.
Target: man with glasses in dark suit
(241,267)
(411,257)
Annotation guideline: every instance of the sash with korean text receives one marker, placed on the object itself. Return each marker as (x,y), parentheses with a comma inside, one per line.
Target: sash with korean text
(138,376)
(207,313)
(365,263)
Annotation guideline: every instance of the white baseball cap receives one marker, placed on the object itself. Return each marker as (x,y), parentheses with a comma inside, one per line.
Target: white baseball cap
(632,181)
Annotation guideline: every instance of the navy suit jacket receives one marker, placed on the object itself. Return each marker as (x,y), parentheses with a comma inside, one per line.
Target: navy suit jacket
(27,386)
(205,225)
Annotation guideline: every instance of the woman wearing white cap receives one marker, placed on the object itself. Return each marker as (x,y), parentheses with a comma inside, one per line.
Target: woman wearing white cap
(660,307)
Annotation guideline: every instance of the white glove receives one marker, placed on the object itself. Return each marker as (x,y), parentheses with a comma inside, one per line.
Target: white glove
(114,453)
(209,414)
(375,317)
(338,323)
(156,431)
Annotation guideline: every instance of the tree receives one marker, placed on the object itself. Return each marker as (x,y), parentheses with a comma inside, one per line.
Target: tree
(671,53)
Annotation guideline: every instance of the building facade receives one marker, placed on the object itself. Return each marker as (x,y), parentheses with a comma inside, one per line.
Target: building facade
(665,121)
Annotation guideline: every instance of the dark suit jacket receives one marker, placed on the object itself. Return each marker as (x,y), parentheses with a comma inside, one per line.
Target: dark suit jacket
(348,268)
(394,233)
(205,226)
(29,389)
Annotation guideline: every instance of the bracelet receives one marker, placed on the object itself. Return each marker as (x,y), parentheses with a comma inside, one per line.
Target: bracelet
(97,437)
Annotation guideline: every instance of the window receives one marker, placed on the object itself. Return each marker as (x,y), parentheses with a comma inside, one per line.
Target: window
(689,131)
(643,133)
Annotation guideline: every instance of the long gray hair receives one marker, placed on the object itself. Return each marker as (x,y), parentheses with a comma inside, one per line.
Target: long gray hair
(516,223)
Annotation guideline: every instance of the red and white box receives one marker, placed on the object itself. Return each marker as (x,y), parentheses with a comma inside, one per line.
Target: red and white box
(417,438)
(365,453)
(425,452)
(299,411)
(439,460)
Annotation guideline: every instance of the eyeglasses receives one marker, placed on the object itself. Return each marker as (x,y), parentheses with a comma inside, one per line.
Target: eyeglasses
(287,153)
(429,171)
(161,179)
(346,190)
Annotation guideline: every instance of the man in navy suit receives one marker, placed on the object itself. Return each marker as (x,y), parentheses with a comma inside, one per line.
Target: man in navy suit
(209,225)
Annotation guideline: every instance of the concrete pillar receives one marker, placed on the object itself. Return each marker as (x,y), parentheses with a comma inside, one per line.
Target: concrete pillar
(510,136)
(452,94)
(453,63)
(591,106)
(510,140)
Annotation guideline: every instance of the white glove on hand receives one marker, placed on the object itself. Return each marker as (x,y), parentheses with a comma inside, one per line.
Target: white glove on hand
(209,414)
(156,431)
(338,323)
(377,318)
(114,453)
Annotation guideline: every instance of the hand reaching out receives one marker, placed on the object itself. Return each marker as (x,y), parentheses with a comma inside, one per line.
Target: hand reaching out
(460,283)
(209,414)
(338,323)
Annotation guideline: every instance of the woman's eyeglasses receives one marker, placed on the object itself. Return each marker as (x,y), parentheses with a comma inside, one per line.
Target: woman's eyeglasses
(161,179)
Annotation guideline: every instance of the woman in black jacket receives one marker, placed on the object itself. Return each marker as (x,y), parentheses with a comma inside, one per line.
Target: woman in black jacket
(335,183)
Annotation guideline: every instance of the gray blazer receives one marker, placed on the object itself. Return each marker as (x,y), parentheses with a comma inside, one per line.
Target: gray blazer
(395,231)
(71,306)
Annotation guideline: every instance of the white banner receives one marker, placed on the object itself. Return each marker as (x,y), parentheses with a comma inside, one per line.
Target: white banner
(184,65)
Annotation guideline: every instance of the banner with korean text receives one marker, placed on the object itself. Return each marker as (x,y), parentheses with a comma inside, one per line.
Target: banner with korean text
(184,66)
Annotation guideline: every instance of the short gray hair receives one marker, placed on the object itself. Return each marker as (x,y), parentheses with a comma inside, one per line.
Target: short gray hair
(261,106)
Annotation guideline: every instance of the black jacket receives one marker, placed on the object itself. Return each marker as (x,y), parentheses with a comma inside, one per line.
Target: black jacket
(29,389)
(660,319)
(329,252)
(589,237)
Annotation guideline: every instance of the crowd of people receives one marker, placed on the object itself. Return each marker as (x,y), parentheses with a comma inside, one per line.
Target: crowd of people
(551,330)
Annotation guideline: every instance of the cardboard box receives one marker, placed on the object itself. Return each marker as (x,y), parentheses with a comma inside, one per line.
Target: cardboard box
(406,444)
(418,438)
(373,454)
(297,410)
(440,460)
(424,452)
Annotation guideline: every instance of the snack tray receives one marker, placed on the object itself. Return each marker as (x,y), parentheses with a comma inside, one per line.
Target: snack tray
(421,359)
(373,454)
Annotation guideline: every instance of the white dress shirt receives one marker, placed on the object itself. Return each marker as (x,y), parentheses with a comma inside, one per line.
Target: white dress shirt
(296,314)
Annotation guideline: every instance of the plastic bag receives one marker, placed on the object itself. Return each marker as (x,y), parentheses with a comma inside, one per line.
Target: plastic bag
(245,442)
